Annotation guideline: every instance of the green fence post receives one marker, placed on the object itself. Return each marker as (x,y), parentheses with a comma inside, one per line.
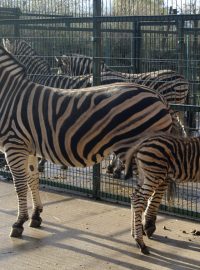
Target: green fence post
(181,45)
(16,24)
(136,47)
(96,79)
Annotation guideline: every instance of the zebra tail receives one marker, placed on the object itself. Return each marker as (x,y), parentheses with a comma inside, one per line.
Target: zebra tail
(131,153)
(171,192)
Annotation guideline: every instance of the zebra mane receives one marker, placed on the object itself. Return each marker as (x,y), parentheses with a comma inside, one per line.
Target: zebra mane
(22,49)
(21,67)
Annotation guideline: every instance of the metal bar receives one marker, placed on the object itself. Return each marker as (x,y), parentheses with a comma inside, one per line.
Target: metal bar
(166,18)
(96,81)
(183,108)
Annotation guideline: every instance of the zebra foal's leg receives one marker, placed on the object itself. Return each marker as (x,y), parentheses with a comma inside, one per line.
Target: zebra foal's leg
(18,162)
(137,207)
(138,204)
(33,184)
(150,214)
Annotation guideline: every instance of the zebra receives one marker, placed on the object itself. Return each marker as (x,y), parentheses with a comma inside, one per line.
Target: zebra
(39,71)
(77,128)
(36,66)
(168,83)
(160,158)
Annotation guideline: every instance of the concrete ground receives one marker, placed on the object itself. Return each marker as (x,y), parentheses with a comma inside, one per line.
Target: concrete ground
(79,233)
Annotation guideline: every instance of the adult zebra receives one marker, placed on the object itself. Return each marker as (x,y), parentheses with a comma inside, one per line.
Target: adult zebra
(77,128)
(159,158)
(39,71)
(168,83)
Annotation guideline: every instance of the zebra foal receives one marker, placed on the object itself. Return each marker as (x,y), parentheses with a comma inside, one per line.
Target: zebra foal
(160,158)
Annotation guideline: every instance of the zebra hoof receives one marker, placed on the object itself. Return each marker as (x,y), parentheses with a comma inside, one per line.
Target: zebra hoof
(35,223)
(16,232)
(149,231)
(143,248)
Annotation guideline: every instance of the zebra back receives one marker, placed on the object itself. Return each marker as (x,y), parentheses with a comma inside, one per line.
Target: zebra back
(168,83)
(77,64)
(167,156)
(35,64)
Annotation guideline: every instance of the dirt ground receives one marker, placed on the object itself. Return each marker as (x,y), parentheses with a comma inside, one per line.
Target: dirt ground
(80,233)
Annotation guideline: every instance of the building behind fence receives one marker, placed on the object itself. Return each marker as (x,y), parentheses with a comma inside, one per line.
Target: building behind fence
(129,36)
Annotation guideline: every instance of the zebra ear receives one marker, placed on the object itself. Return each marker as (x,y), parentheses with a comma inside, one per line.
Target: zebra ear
(57,59)
(6,44)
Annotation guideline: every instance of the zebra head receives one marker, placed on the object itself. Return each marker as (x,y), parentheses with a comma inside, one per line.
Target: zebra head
(64,64)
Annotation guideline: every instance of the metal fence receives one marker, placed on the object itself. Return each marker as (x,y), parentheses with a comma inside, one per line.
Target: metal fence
(161,36)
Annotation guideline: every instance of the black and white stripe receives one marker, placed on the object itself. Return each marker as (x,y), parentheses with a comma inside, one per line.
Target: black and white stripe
(74,128)
(171,85)
(77,64)
(159,158)
(168,83)
(39,71)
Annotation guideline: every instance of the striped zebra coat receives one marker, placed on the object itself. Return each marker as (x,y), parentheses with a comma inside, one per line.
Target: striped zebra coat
(171,85)
(160,158)
(39,71)
(77,128)
(77,64)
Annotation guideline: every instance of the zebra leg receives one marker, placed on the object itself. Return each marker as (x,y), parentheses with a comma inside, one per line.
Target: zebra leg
(112,164)
(149,224)
(33,184)
(129,173)
(18,163)
(138,201)
(119,168)
(137,208)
